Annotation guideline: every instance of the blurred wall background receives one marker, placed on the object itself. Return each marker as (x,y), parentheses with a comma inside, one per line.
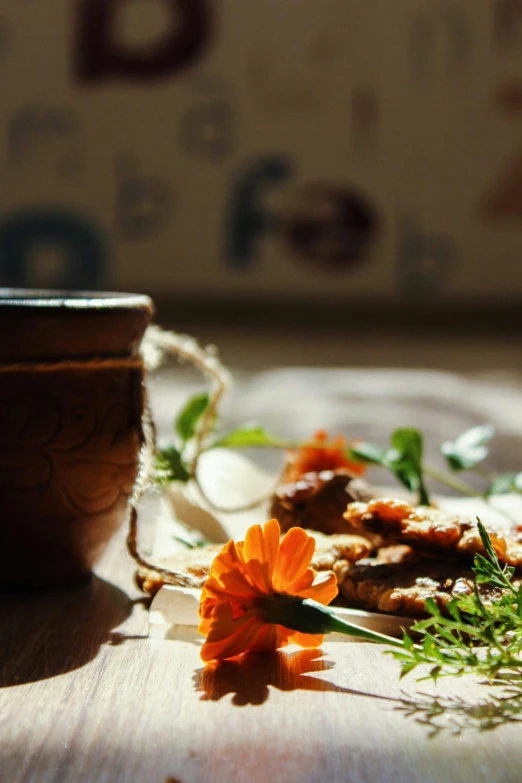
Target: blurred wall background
(211,152)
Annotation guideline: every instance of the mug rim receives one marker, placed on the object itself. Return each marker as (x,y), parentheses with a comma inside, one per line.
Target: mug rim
(46,325)
(72,300)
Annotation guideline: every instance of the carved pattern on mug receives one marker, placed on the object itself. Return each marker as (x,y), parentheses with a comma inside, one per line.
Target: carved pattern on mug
(87,454)
(95,486)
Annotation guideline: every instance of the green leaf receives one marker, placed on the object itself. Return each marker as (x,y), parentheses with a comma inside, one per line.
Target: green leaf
(408,442)
(488,546)
(467,604)
(407,640)
(482,567)
(469,449)
(453,609)
(367,452)
(503,483)
(170,467)
(196,544)
(435,672)
(400,656)
(249,436)
(429,646)
(405,460)
(407,667)
(432,607)
(187,420)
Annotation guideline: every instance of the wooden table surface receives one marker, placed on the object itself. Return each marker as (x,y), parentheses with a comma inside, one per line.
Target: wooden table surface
(86,696)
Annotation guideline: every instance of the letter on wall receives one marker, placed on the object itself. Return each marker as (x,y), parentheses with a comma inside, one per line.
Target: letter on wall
(102,55)
(75,240)
(248,220)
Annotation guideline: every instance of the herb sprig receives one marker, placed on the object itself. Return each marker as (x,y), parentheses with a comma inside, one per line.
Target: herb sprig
(175,461)
(466,453)
(474,635)
(404,457)
(478,634)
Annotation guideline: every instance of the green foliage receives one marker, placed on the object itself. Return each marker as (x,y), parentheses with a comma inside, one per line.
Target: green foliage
(403,459)
(472,636)
(367,452)
(469,449)
(505,482)
(170,466)
(187,420)
(406,462)
(249,436)
(192,543)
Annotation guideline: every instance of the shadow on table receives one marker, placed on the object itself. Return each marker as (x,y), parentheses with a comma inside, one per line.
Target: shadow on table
(501,705)
(48,633)
(248,678)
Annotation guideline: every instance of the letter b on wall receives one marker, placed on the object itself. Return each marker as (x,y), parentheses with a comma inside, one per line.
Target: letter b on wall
(101,54)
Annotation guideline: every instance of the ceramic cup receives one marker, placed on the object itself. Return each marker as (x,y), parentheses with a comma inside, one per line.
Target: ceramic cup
(71,402)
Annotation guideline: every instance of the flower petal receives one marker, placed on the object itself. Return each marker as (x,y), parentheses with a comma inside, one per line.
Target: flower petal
(229,571)
(270,637)
(295,554)
(228,637)
(323,590)
(229,559)
(260,552)
(306,639)
(302,583)
(222,643)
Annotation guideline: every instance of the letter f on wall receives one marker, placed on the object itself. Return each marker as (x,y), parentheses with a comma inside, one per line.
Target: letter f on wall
(247,219)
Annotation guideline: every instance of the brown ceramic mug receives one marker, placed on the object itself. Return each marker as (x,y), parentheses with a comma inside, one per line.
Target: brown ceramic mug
(71,403)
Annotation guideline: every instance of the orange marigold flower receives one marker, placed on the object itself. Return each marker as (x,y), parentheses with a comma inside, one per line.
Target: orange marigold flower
(321,454)
(248,581)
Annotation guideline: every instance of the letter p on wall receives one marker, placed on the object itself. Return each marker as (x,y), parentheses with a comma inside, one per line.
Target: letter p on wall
(102,54)
(76,243)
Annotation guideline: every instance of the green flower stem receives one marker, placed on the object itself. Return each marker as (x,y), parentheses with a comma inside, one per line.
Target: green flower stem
(450,481)
(465,489)
(485,475)
(336,625)
(307,616)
